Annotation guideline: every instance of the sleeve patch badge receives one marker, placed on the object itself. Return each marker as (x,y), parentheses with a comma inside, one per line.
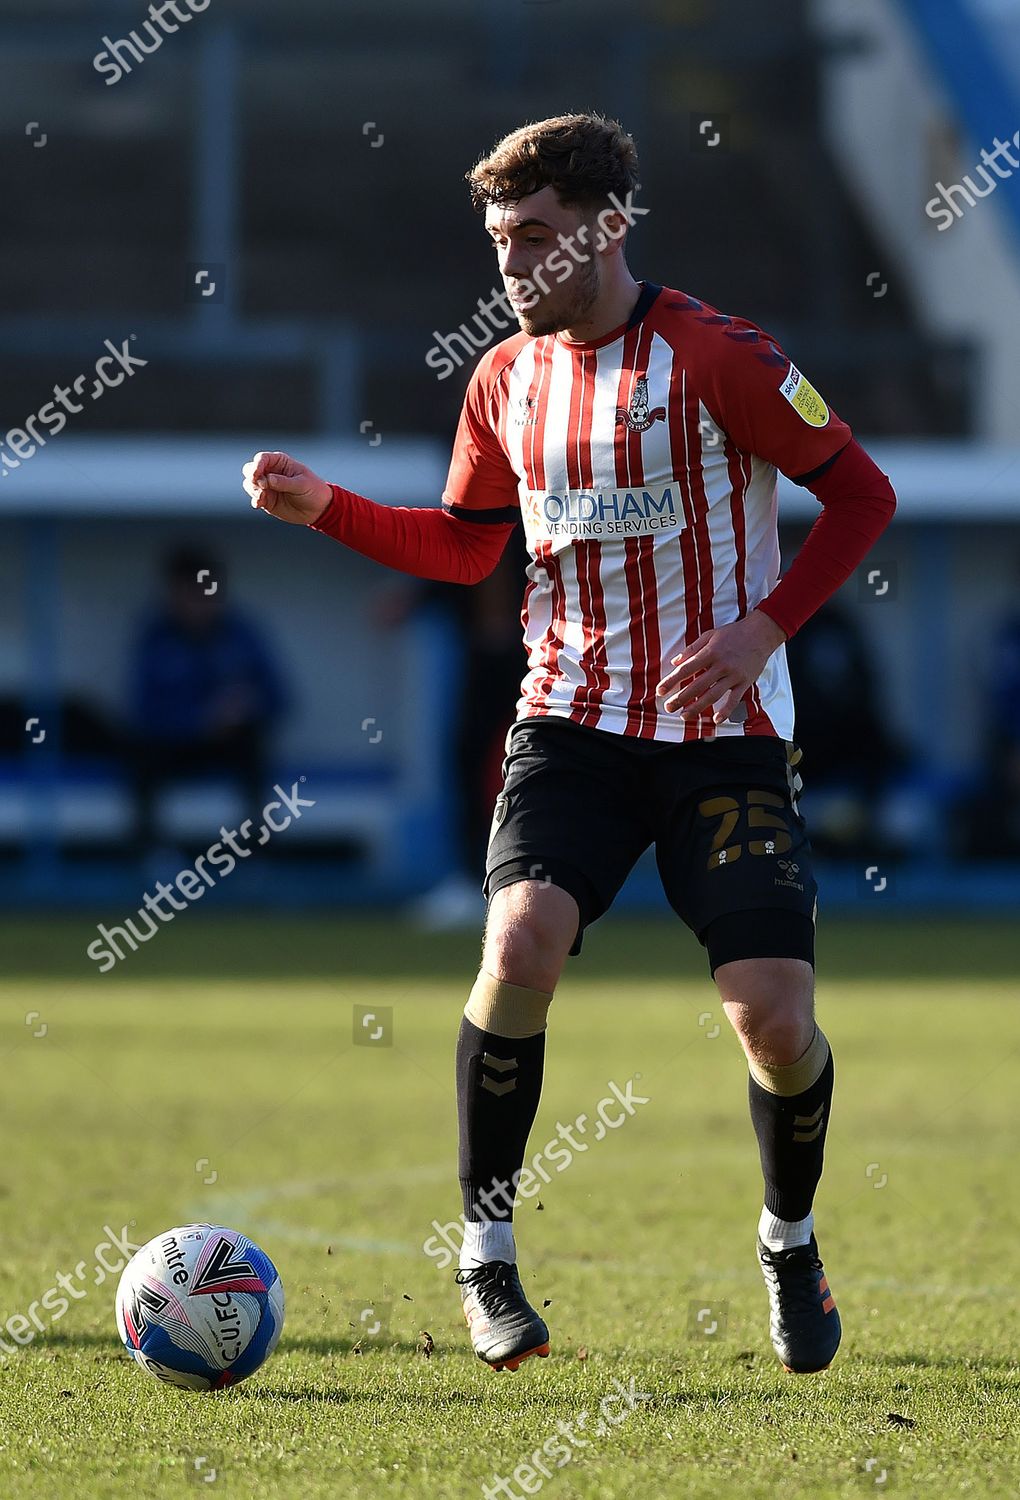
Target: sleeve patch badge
(804,399)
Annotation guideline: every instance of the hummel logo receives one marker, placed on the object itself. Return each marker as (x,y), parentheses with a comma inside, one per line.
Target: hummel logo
(809,1127)
(498,1065)
(526,405)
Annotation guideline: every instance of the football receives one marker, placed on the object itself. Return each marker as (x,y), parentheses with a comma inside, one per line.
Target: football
(200,1307)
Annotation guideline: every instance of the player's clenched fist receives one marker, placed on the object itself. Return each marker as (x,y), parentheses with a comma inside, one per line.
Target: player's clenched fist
(285,488)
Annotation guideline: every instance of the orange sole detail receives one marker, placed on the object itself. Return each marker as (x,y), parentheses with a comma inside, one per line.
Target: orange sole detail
(820,1371)
(541,1350)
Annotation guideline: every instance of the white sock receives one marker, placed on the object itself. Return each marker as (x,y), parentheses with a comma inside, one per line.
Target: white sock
(489,1240)
(783,1234)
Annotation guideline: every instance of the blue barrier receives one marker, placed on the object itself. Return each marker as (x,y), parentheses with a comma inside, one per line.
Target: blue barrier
(957,43)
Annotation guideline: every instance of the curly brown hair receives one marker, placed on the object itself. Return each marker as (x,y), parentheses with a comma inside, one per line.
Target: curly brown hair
(584,157)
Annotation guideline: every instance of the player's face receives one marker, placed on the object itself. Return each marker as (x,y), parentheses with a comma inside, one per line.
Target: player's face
(548,260)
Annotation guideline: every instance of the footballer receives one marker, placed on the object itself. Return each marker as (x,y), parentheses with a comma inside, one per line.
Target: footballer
(636,432)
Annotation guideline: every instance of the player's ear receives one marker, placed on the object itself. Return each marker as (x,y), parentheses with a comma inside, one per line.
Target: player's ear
(611,231)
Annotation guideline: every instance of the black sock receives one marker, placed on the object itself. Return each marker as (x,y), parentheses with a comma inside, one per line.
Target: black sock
(499,1083)
(791,1140)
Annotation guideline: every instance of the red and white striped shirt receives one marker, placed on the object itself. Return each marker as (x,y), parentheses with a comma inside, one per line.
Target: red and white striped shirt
(644,467)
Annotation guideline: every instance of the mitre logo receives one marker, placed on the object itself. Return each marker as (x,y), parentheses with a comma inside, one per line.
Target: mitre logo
(639,418)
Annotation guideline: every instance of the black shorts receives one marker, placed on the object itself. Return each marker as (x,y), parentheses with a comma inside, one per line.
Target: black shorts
(580,806)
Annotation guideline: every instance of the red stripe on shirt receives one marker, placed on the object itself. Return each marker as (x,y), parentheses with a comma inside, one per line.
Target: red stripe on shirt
(502,394)
(538,391)
(702,540)
(600,656)
(638,571)
(554,634)
(737,464)
(584,708)
(581,550)
(688,553)
(644,680)
(534,465)
(653,641)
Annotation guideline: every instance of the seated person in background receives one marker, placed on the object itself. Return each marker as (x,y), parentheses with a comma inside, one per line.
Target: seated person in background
(204,691)
(850,758)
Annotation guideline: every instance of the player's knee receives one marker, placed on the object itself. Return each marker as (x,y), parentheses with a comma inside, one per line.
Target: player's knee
(779,1038)
(528,934)
(770,1004)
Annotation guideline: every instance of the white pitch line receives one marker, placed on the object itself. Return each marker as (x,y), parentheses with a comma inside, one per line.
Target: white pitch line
(248,1201)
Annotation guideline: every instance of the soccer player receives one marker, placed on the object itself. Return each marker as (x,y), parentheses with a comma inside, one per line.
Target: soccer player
(637,432)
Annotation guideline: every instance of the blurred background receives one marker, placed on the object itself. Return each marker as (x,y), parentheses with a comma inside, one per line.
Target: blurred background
(259,221)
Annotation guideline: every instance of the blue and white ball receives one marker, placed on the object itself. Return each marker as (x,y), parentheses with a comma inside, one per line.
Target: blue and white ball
(200,1307)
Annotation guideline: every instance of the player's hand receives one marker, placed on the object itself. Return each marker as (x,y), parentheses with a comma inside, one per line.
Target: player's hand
(285,488)
(716,670)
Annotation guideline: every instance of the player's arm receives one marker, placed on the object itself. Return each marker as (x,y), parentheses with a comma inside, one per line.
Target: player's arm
(429,543)
(794,430)
(857,503)
(461,543)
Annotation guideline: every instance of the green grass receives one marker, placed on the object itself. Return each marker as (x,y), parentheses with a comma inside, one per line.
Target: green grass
(231,1043)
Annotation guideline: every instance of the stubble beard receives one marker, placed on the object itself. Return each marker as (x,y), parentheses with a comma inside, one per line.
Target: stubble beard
(586,285)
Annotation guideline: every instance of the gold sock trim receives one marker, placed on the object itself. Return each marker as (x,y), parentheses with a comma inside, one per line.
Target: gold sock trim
(794,1078)
(506,1009)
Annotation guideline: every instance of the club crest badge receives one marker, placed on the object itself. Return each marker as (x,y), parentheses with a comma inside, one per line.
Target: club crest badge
(639,417)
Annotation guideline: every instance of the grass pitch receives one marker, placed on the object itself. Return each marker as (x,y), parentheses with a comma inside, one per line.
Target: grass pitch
(214,1075)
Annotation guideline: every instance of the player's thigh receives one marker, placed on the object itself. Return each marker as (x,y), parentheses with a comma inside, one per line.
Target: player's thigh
(569,818)
(736,861)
